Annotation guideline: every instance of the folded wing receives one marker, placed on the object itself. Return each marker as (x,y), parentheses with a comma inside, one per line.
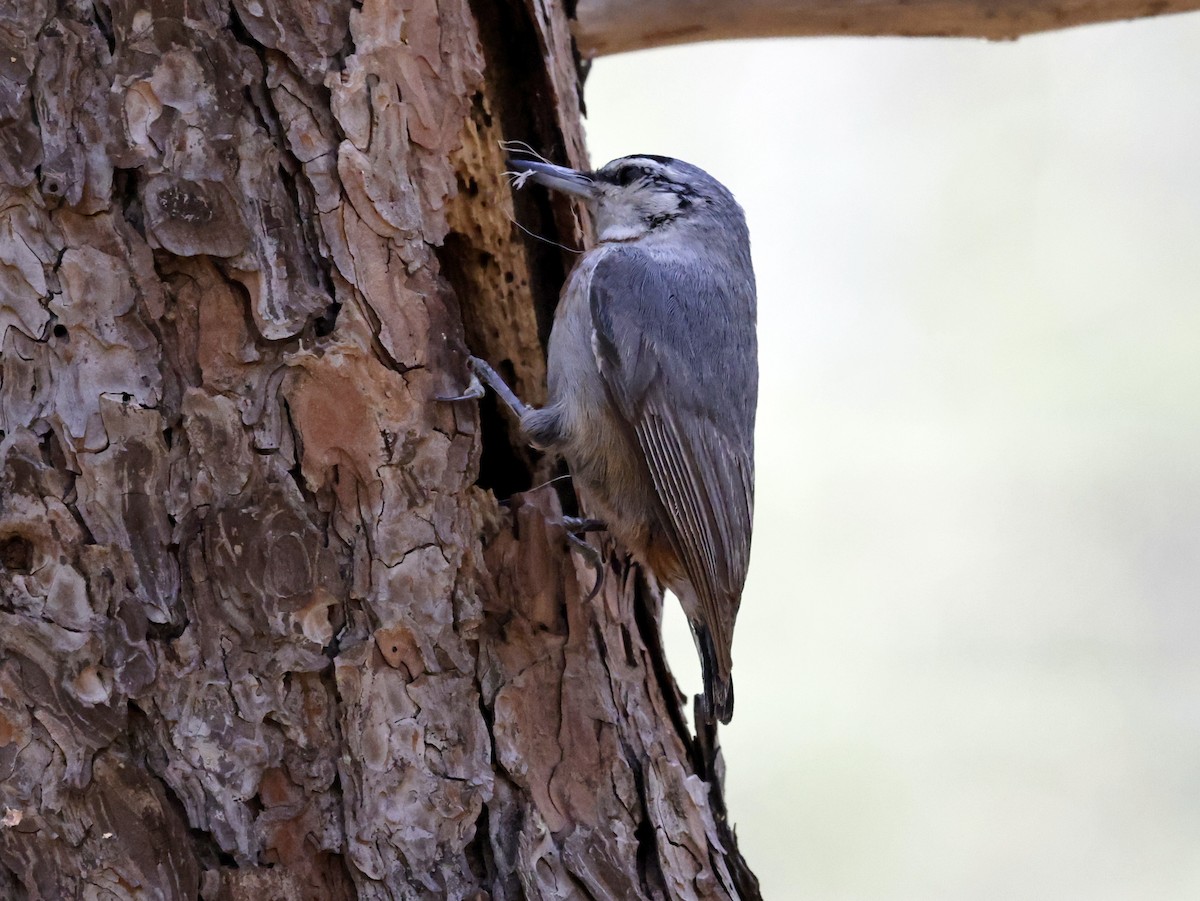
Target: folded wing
(678,356)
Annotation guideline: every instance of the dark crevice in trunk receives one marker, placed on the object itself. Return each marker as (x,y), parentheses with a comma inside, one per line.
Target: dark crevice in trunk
(291,170)
(703,750)
(648,623)
(144,751)
(649,867)
(125,193)
(102,16)
(525,110)
(507,463)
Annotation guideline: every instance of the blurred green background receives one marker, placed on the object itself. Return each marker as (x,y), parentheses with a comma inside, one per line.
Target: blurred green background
(966,662)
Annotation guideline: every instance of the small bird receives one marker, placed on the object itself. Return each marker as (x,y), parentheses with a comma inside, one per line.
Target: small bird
(653,384)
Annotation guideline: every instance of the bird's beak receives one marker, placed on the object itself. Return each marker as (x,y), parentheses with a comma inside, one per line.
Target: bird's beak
(556,178)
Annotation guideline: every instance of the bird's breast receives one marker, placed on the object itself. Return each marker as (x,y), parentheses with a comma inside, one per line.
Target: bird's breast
(597,446)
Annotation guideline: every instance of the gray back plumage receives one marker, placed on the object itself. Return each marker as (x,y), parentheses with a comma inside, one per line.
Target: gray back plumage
(676,345)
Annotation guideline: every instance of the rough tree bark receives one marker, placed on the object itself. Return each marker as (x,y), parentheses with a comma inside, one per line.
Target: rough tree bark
(275,623)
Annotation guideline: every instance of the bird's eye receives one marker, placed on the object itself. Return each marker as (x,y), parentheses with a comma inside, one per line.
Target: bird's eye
(630,174)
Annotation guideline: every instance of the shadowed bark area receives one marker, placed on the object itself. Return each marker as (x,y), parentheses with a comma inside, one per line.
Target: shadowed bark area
(274,622)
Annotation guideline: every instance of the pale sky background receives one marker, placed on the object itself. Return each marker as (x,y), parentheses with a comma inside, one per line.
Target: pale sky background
(966,663)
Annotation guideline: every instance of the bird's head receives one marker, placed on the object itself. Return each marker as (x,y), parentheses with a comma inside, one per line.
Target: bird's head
(643,197)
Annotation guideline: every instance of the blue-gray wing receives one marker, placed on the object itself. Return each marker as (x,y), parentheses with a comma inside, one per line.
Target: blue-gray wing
(677,349)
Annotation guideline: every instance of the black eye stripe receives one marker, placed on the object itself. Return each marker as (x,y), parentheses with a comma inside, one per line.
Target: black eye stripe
(629,174)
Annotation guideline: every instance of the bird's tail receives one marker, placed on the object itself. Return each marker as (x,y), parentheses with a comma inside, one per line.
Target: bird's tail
(718,681)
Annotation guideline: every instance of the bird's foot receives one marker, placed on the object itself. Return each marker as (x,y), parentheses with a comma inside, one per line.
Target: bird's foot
(589,553)
(474,391)
(482,374)
(577,525)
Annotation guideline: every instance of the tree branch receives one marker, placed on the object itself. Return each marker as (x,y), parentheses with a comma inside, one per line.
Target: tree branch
(614,26)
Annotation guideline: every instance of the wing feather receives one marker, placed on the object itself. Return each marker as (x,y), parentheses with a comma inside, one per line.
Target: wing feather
(678,356)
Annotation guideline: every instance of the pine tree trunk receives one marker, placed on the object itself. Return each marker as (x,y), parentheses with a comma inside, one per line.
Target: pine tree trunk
(275,622)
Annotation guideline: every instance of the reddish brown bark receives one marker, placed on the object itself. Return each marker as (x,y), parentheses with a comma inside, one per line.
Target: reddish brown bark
(274,622)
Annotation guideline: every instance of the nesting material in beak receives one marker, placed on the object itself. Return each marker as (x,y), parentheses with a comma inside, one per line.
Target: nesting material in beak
(556,178)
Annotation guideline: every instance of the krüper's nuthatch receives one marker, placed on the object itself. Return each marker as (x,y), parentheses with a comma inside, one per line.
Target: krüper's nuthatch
(653,384)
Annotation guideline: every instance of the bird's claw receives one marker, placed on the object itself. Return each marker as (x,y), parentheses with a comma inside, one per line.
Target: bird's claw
(593,557)
(578,524)
(475,390)
(484,375)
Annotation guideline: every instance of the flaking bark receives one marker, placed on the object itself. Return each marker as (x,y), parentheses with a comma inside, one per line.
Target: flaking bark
(274,622)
